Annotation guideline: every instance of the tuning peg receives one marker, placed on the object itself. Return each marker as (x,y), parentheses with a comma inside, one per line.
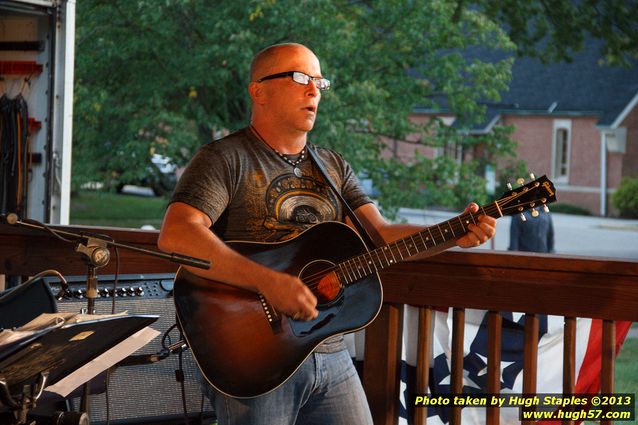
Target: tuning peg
(532,176)
(509,185)
(534,212)
(545,208)
(523,217)
(520,181)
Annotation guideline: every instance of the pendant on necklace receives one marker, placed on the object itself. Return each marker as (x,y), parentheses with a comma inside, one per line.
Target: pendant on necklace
(297,172)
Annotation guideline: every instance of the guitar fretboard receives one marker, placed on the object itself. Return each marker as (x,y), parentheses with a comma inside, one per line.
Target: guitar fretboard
(363,265)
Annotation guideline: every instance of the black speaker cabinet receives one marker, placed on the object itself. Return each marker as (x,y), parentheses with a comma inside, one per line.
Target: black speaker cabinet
(145,393)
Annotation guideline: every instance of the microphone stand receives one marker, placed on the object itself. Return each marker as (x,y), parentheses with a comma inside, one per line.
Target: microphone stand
(95,252)
(96,245)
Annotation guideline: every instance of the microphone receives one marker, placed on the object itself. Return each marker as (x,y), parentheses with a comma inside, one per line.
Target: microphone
(154,358)
(10,218)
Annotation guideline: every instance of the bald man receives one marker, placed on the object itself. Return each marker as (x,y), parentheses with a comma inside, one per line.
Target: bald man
(258,184)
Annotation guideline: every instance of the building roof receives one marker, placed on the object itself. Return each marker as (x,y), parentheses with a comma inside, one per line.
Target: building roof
(581,87)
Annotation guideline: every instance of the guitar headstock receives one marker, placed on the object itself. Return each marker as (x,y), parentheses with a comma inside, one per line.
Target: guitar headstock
(537,193)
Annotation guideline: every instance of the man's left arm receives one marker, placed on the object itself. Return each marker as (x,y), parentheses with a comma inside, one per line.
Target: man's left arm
(383,232)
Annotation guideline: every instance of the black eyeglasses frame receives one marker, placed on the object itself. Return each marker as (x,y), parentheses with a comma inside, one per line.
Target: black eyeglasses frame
(299,78)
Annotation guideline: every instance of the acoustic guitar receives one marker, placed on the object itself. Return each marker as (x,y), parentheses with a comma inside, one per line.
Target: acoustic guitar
(245,347)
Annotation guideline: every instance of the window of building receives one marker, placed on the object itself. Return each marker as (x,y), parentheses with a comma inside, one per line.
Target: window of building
(452,149)
(562,141)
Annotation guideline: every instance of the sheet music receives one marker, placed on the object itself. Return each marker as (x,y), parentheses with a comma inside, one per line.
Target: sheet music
(107,359)
(11,336)
(47,321)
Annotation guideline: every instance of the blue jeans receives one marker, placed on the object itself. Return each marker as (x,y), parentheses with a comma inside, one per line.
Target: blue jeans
(325,390)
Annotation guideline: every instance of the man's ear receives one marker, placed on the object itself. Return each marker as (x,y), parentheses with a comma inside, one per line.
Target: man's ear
(257,93)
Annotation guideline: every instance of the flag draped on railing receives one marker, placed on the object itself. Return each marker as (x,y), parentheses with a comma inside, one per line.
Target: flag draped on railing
(550,359)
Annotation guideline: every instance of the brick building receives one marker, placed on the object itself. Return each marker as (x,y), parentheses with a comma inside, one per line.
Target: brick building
(576,122)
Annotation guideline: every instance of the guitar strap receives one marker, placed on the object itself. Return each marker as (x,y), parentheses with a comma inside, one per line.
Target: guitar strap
(362,231)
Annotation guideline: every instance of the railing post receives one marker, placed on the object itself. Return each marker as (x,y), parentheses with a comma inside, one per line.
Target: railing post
(495,331)
(569,361)
(382,362)
(423,361)
(530,357)
(458,342)
(607,366)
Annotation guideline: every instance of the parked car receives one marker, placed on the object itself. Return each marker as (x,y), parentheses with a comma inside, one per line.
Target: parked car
(161,176)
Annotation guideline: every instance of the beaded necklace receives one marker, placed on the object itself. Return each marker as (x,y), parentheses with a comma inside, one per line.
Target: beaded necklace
(293,162)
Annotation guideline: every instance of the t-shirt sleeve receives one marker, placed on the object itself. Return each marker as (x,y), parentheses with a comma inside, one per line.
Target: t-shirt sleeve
(351,189)
(349,183)
(206,183)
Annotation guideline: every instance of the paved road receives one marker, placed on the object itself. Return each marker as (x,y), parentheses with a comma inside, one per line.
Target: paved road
(574,235)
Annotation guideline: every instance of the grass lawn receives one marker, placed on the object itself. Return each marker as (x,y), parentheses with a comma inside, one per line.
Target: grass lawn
(627,367)
(627,370)
(116,210)
(626,376)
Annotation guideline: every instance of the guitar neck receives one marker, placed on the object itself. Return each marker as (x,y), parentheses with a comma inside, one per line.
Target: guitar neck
(378,259)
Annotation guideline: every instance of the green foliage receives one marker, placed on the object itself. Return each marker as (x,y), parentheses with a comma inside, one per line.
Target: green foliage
(625,199)
(562,207)
(554,30)
(510,173)
(167,76)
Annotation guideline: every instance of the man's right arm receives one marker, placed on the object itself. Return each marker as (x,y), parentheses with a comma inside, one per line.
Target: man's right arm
(186,230)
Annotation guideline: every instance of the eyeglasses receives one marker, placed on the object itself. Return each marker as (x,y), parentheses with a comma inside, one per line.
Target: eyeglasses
(300,78)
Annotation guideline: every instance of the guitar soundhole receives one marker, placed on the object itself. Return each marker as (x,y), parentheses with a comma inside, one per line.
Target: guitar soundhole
(320,277)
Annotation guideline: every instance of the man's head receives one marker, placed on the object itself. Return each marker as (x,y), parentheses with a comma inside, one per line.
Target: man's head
(281,99)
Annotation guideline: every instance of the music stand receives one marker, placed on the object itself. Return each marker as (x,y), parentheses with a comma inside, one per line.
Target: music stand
(49,355)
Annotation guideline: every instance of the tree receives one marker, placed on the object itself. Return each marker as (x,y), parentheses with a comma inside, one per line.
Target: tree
(168,76)
(555,29)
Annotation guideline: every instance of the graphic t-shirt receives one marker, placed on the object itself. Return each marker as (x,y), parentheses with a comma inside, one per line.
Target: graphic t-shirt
(250,193)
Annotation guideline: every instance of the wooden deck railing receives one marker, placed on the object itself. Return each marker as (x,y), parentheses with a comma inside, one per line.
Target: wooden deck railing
(495,281)
(498,282)
(27,252)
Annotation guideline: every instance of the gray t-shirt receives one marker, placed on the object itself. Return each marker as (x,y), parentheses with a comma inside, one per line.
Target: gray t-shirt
(250,193)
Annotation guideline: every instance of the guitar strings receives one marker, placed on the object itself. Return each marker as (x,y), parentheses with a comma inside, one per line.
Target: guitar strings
(312,281)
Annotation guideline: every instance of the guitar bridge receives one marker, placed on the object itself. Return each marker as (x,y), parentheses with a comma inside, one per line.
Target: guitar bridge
(271,314)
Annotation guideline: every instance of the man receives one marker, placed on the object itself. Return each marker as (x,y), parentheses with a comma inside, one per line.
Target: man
(259,184)
(535,234)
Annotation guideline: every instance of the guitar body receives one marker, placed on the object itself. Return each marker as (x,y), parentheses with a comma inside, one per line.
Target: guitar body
(243,347)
